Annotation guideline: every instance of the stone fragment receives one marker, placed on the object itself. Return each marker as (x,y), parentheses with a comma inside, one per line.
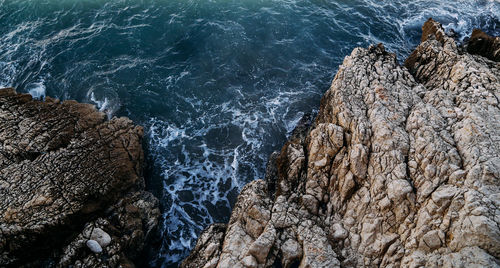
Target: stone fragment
(101,237)
(250,262)
(94,246)
(432,240)
(339,233)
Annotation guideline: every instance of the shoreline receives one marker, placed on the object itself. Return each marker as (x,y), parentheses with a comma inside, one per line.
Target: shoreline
(121,218)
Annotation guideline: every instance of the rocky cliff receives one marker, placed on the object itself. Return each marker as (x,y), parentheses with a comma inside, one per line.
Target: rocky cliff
(401,168)
(71,186)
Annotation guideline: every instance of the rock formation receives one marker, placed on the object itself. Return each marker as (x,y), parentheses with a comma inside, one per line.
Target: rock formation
(71,186)
(401,168)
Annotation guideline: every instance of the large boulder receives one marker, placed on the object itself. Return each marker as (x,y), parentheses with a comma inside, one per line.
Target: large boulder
(400,169)
(63,169)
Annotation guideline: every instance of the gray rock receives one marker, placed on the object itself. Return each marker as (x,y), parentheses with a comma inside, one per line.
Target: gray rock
(250,262)
(291,251)
(94,246)
(101,237)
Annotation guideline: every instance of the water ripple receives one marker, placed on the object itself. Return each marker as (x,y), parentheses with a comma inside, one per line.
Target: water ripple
(217,84)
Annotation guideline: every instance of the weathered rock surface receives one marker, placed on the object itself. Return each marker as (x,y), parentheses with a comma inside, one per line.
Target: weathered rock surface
(401,168)
(69,176)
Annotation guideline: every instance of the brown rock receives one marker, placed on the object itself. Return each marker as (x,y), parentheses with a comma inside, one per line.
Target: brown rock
(61,166)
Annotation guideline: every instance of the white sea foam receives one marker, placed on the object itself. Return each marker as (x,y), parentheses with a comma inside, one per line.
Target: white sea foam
(217,85)
(37,90)
(106,106)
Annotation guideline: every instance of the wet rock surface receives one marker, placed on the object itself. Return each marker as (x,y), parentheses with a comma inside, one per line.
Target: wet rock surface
(71,185)
(401,168)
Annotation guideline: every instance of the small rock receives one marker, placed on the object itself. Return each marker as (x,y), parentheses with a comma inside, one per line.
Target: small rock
(443,194)
(398,189)
(359,160)
(292,251)
(310,203)
(249,261)
(101,237)
(339,232)
(94,246)
(432,239)
(210,250)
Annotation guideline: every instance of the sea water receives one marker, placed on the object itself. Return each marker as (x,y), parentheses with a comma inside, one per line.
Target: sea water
(218,85)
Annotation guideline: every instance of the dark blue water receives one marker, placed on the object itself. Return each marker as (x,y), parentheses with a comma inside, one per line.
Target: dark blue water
(216,84)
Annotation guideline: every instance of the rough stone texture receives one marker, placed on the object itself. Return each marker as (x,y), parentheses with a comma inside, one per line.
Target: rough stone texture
(208,246)
(65,169)
(400,169)
(129,223)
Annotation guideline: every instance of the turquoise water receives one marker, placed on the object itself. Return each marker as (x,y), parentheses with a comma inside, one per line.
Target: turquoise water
(217,85)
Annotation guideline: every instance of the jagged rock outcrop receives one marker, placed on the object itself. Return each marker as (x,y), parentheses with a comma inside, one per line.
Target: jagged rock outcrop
(401,168)
(71,184)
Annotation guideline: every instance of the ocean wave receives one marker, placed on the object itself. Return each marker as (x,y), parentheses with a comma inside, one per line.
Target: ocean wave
(37,89)
(218,85)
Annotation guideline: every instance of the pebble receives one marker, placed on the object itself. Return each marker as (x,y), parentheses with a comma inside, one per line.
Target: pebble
(94,246)
(100,237)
